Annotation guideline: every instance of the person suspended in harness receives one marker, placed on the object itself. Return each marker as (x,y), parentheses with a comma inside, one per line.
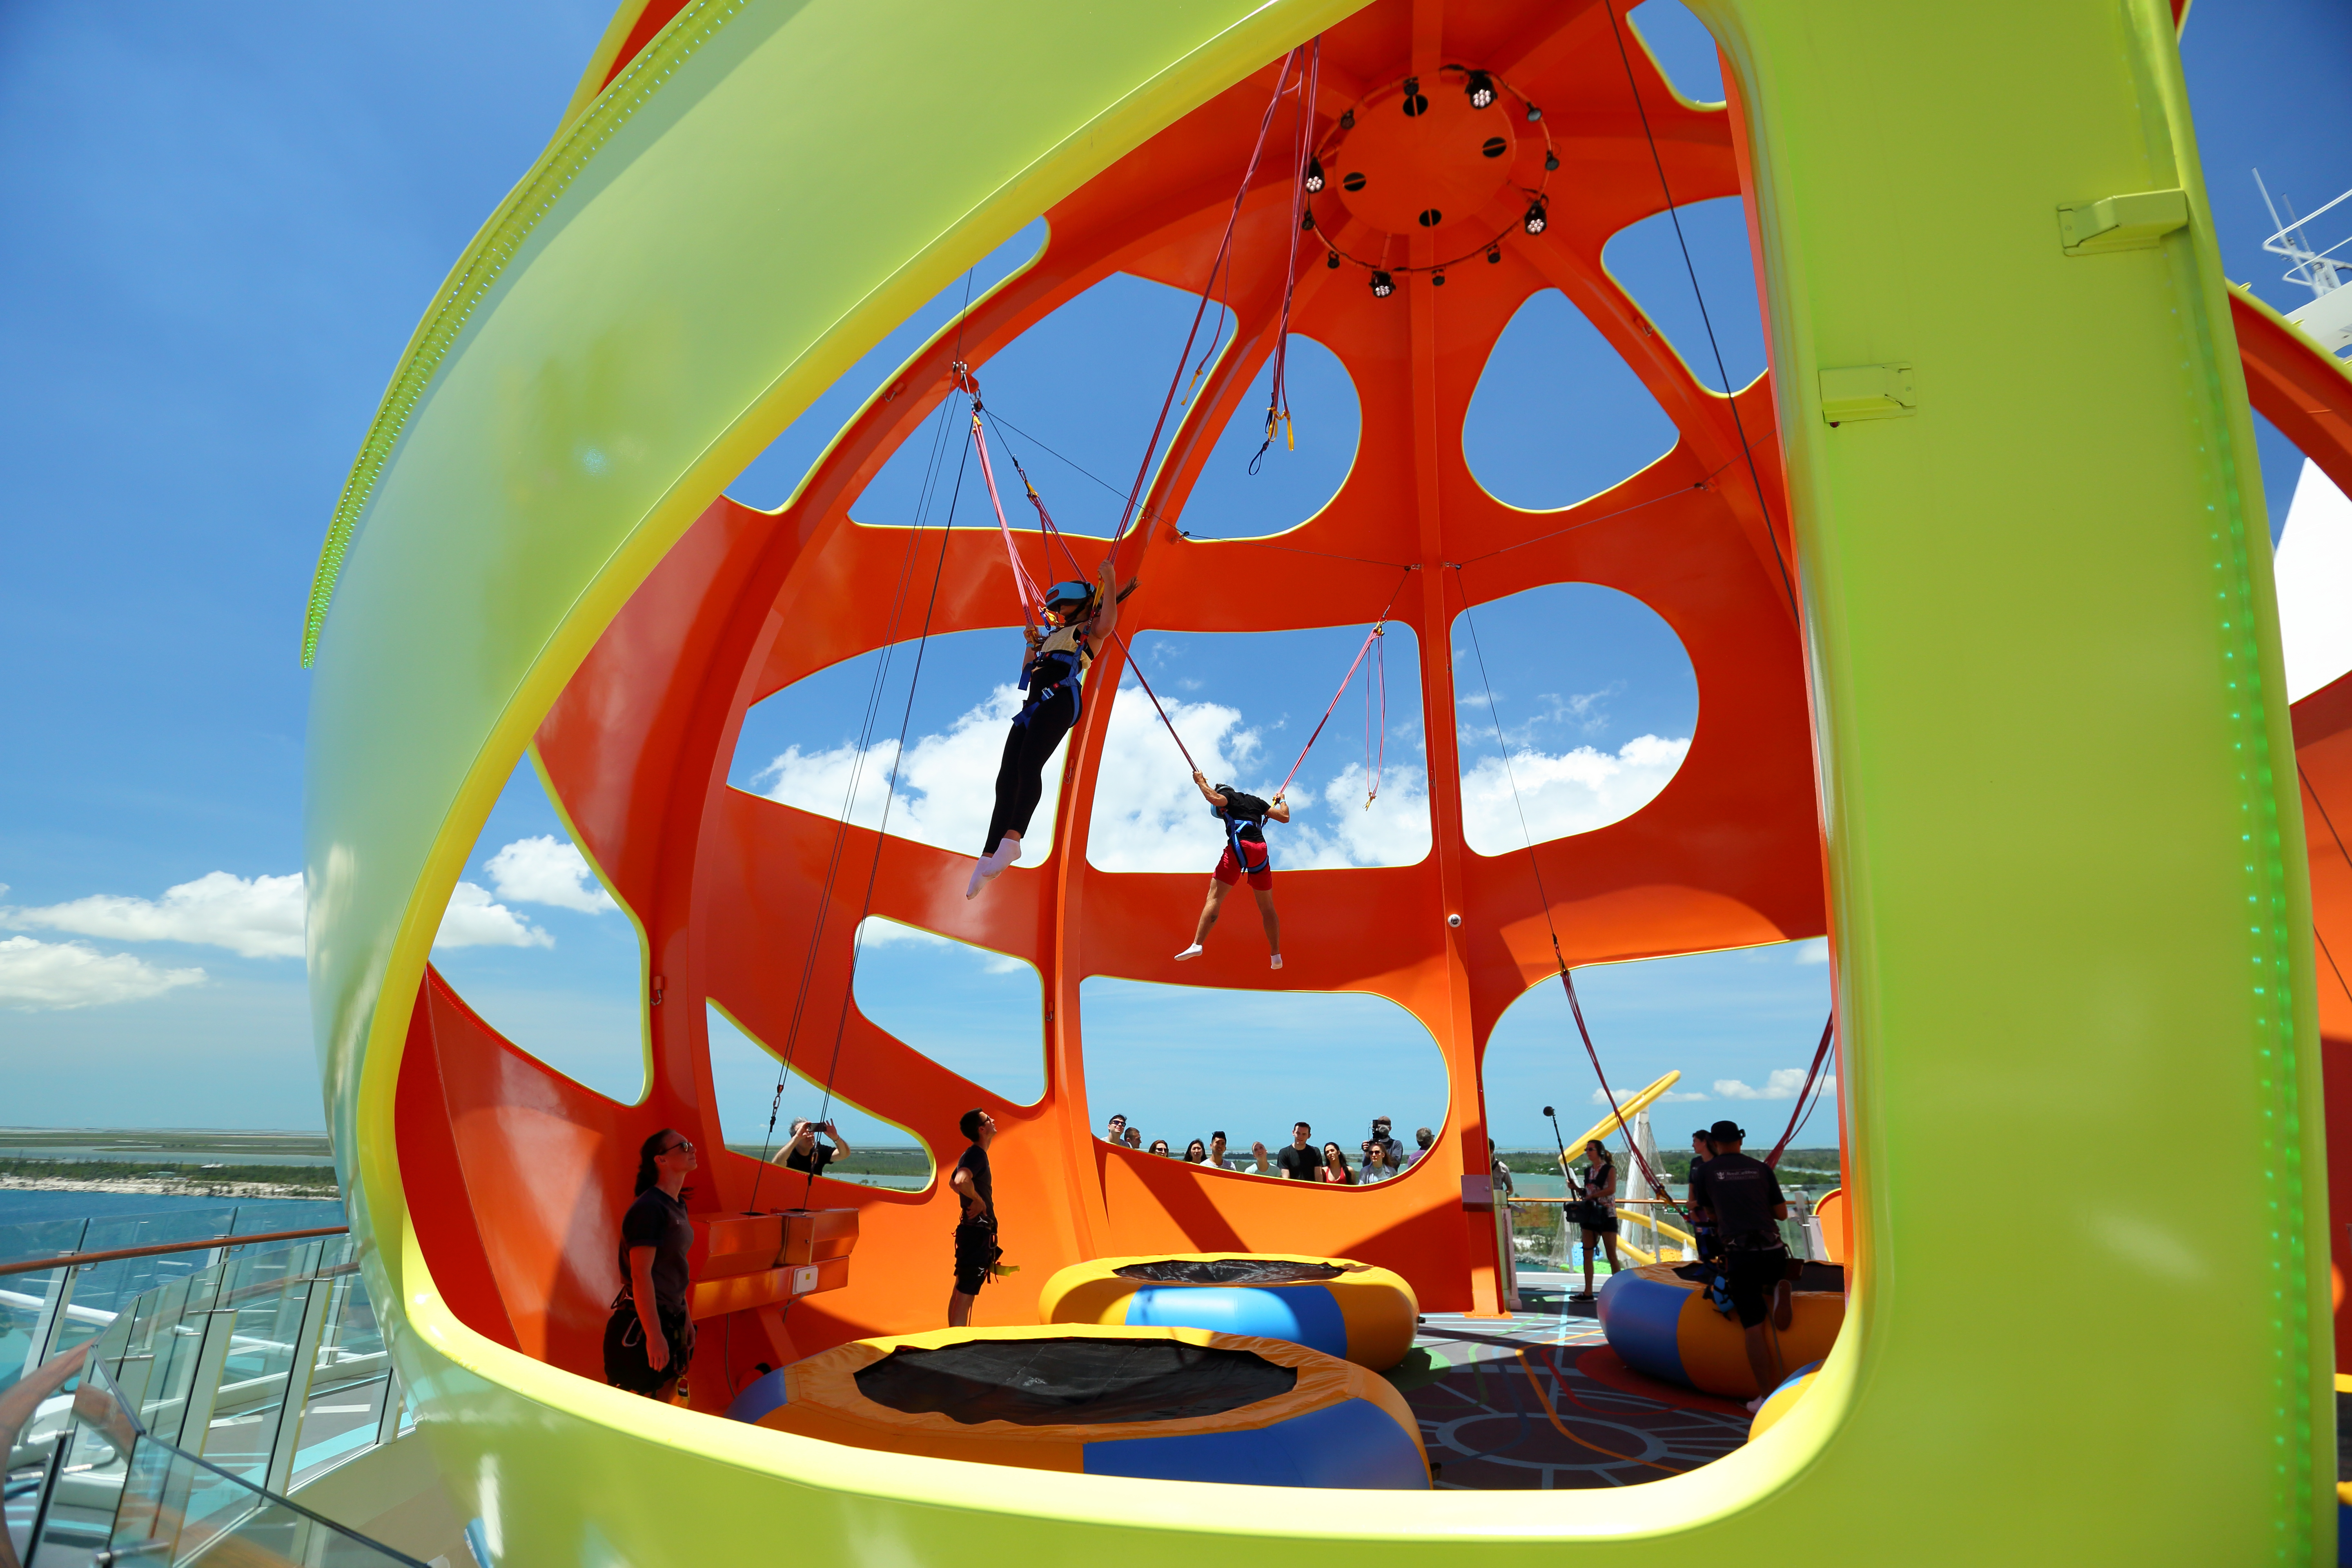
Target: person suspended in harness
(1079,617)
(1244,817)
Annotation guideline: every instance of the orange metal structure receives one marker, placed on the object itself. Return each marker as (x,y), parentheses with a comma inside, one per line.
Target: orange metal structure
(517,1175)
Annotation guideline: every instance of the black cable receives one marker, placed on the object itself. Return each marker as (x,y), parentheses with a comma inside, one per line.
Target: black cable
(1706,320)
(857,769)
(2329,823)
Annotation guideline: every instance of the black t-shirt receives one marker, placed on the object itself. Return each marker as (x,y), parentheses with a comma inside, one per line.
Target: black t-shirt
(815,1162)
(1741,1191)
(1299,1164)
(1245,813)
(975,1160)
(1700,1211)
(659,1221)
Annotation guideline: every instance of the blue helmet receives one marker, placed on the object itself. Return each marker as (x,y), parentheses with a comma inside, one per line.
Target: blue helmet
(1070,602)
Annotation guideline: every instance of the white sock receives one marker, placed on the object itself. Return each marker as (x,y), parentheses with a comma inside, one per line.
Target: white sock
(978,880)
(1192,951)
(1007,850)
(1275,962)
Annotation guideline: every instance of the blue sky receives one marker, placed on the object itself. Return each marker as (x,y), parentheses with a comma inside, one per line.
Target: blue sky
(230,218)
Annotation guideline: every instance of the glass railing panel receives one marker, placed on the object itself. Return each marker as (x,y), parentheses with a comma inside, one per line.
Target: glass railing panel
(146,1502)
(261,1308)
(349,1381)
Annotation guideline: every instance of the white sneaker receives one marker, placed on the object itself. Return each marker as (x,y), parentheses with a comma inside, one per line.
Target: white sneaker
(1275,962)
(1192,951)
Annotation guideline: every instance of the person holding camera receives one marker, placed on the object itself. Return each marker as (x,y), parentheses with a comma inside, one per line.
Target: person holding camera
(1745,1196)
(803,1153)
(1596,1188)
(1392,1151)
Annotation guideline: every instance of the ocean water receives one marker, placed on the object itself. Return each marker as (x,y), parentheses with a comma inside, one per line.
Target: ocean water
(173,1215)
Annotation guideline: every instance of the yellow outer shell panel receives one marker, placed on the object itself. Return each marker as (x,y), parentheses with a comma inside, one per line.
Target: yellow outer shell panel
(1375,1308)
(1784,1399)
(822,1400)
(2062,845)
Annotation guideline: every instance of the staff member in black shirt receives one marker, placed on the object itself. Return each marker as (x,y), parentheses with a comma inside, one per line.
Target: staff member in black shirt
(1302,1161)
(1745,1198)
(649,1338)
(802,1151)
(976,1250)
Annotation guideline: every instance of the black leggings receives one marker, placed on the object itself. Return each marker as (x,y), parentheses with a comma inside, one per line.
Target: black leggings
(1021,776)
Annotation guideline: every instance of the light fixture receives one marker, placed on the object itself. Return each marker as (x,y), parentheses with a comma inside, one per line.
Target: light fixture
(1481,88)
(1437,278)
(1536,222)
(1314,176)
(1493,255)
(1414,103)
(1348,120)
(1382,285)
(1551,162)
(1332,259)
(1306,218)
(1533,114)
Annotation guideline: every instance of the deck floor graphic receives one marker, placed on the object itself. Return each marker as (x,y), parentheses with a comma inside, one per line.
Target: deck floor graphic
(1504,1407)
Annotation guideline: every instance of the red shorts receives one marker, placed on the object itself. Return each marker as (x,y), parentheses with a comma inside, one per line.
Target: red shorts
(1260,865)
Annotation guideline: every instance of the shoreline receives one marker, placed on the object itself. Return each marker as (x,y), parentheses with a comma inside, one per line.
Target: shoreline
(154,1187)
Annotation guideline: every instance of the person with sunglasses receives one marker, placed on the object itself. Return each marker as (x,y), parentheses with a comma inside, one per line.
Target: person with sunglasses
(1079,618)
(649,1338)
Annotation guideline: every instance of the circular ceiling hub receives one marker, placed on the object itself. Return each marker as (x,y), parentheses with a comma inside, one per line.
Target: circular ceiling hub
(1422,159)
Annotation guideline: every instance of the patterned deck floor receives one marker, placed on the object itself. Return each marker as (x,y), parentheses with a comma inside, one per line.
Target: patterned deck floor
(1505,1405)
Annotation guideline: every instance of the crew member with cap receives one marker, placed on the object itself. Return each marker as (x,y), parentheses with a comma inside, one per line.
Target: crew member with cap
(1244,817)
(1078,617)
(1745,1198)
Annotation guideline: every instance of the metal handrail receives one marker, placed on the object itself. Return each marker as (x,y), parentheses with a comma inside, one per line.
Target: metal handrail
(82,1259)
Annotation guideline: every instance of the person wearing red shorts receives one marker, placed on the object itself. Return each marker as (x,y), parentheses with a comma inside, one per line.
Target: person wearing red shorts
(1244,817)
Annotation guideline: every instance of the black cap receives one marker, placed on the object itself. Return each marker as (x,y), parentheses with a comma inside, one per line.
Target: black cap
(1728,1132)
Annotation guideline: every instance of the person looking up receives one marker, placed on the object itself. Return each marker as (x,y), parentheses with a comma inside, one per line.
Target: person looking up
(1160,1147)
(1257,1159)
(1196,1152)
(1302,1161)
(1390,1147)
(1217,1149)
(1115,1134)
(976,1246)
(1376,1164)
(802,1151)
(1334,1169)
(649,1338)
(1134,1139)
(1079,618)
(1745,1196)
(1244,817)
(1423,1141)
(1596,1185)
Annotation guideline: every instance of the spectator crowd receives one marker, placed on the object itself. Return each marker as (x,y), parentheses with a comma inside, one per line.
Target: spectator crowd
(1301,1159)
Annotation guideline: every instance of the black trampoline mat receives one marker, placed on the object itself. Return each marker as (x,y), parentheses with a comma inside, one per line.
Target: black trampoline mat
(1230,1271)
(1087,1382)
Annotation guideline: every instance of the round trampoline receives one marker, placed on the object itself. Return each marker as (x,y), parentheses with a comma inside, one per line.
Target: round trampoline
(1783,1400)
(1335,1305)
(1663,1324)
(1155,1404)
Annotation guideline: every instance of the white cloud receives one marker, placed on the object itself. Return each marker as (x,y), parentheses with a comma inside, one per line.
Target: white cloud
(260,917)
(1668,1098)
(945,782)
(1574,791)
(548,870)
(881,933)
(474,919)
(1815,950)
(56,976)
(1783,1084)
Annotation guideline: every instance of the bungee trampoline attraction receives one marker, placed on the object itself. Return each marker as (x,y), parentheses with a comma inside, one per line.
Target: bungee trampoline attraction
(1978,594)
